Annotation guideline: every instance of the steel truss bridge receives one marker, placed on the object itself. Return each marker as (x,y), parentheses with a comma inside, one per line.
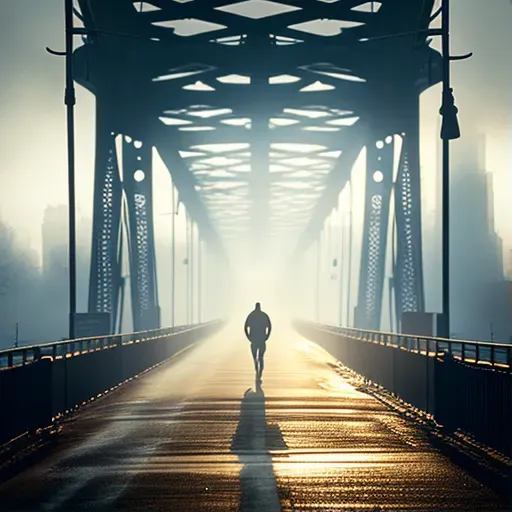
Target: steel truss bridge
(259,110)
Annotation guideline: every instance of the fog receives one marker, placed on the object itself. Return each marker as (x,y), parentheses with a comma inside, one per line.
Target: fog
(34,174)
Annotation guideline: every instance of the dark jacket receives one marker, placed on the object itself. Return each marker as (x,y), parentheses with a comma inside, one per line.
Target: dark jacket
(257,326)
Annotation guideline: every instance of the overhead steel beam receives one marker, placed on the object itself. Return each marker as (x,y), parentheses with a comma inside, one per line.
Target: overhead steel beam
(335,182)
(236,136)
(245,25)
(187,185)
(119,30)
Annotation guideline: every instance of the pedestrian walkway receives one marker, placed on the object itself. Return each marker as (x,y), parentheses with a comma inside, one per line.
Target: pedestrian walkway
(195,435)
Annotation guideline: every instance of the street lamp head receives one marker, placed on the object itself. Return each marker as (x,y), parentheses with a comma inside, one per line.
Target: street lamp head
(450,129)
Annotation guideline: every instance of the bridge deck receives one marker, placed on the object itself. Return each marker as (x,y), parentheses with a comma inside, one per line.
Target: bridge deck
(190,437)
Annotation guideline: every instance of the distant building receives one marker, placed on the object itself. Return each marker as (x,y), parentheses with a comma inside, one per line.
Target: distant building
(501,314)
(476,250)
(55,265)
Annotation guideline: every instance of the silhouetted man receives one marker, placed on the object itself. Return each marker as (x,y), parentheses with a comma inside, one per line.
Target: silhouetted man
(257,329)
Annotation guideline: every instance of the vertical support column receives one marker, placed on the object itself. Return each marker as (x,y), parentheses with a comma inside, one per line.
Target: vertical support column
(317,278)
(137,178)
(409,286)
(341,259)
(173,249)
(349,250)
(199,279)
(187,261)
(379,179)
(105,271)
(192,263)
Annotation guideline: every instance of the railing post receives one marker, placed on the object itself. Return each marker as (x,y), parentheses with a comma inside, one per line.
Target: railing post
(65,363)
(477,353)
(427,378)
(492,355)
(463,352)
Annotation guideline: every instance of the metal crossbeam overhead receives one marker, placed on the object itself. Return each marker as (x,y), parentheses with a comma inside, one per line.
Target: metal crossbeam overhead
(259,108)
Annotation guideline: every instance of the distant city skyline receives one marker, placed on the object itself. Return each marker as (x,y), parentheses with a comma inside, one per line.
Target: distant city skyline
(476,249)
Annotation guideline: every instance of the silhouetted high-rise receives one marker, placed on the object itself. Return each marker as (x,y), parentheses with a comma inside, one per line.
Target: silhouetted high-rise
(476,249)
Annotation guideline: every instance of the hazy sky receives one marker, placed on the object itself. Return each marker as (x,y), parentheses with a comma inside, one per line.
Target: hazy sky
(33,170)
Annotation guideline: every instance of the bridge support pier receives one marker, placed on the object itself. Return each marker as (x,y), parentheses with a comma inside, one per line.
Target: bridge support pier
(408,268)
(379,182)
(105,271)
(137,180)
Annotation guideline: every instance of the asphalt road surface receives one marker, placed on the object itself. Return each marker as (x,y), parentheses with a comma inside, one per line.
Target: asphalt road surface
(196,435)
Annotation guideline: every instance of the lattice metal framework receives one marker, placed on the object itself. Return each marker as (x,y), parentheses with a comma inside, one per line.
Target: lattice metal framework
(409,295)
(105,272)
(379,180)
(258,108)
(137,179)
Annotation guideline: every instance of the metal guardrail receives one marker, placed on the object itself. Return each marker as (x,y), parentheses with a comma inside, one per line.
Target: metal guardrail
(483,353)
(465,385)
(41,383)
(20,356)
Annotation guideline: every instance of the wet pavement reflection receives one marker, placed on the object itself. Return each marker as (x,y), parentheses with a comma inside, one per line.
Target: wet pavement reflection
(191,436)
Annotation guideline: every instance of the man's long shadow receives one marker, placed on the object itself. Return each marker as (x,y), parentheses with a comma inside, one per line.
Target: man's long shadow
(253,441)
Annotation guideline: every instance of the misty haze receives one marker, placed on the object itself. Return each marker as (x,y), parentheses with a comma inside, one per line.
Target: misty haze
(255,255)
(33,173)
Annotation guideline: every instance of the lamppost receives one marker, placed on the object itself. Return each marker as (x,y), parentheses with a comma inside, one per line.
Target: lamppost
(317,290)
(173,269)
(349,276)
(173,213)
(70,100)
(199,278)
(449,131)
(188,262)
(342,254)
(191,268)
